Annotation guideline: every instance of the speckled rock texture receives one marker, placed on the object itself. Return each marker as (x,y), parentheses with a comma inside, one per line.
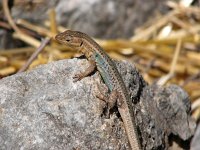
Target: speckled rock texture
(44,109)
(195,145)
(169,119)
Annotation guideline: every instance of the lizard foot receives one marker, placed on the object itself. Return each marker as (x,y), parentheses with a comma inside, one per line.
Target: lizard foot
(78,77)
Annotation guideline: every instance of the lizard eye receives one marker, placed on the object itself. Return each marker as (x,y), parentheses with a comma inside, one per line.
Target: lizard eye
(68,38)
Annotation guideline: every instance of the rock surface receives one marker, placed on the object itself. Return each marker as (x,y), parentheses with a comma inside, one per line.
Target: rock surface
(44,109)
(169,119)
(195,145)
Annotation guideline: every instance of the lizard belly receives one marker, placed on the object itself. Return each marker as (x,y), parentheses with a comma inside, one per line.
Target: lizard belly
(101,67)
(106,78)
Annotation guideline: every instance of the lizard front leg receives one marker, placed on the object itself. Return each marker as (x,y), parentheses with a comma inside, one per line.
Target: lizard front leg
(87,72)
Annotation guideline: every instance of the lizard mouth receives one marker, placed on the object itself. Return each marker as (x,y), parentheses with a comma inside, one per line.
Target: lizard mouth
(81,44)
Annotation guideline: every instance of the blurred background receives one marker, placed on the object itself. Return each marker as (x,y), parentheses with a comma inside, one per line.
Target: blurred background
(160,37)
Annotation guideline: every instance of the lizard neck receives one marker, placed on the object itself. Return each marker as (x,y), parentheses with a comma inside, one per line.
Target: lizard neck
(88,49)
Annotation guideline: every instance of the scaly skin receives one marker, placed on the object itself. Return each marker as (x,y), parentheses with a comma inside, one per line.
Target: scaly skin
(108,70)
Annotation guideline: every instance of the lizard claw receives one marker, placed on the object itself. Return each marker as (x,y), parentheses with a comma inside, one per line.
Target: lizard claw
(77,77)
(102,97)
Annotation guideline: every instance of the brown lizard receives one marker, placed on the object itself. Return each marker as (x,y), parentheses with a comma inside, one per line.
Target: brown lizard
(112,78)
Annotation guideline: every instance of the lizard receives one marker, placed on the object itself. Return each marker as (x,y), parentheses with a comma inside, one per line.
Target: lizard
(98,59)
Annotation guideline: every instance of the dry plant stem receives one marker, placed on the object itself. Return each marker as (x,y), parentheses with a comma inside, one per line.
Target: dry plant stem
(196,104)
(35,28)
(53,29)
(172,38)
(144,35)
(175,58)
(163,80)
(7,70)
(140,50)
(179,22)
(53,25)
(60,28)
(196,114)
(184,33)
(18,2)
(191,78)
(30,40)
(195,94)
(191,9)
(16,51)
(5,25)
(35,54)
(27,39)
(8,16)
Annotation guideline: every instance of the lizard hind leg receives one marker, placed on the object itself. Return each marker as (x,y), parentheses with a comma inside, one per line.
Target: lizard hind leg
(112,100)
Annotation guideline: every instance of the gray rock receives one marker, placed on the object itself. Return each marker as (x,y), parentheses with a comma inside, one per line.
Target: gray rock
(108,19)
(169,119)
(44,109)
(35,12)
(99,18)
(195,145)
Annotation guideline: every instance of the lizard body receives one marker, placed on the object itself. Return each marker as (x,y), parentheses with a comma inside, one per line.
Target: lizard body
(108,70)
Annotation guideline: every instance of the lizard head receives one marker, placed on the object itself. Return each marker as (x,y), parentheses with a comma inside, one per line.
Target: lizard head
(70,38)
